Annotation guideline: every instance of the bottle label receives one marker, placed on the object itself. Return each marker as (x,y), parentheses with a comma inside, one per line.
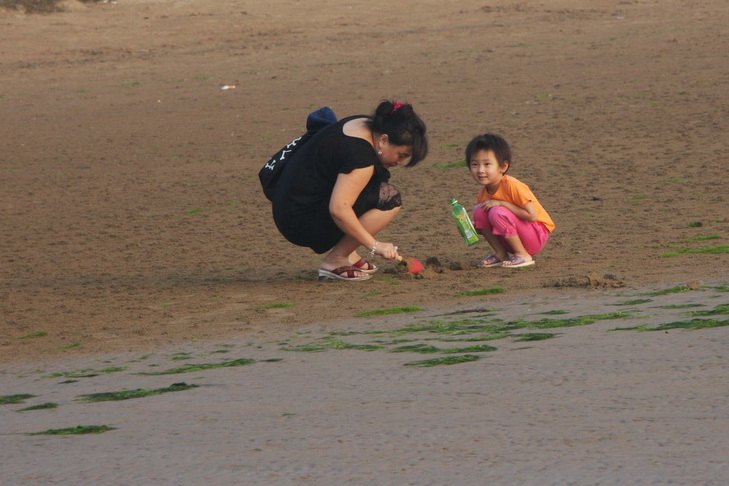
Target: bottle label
(466,227)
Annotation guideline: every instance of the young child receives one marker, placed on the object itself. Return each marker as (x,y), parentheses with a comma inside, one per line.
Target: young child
(508,214)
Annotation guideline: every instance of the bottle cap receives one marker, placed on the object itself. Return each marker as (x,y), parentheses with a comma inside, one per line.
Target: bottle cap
(454,200)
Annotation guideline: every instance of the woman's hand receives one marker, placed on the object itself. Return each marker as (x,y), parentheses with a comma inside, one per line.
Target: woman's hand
(386,250)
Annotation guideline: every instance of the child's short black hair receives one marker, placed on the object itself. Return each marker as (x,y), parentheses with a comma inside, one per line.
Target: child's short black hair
(490,141)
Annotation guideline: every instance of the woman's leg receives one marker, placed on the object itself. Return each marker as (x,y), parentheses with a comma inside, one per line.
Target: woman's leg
(345,251)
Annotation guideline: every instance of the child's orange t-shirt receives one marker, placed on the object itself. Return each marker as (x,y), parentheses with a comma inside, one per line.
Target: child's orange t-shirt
(516,192)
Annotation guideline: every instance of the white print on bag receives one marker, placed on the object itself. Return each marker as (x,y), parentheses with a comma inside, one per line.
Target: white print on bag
(272,163)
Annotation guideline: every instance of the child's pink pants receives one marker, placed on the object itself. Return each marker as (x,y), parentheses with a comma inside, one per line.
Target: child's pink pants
(502,223)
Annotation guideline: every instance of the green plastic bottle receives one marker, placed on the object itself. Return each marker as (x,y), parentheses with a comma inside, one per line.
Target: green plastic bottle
(465,226)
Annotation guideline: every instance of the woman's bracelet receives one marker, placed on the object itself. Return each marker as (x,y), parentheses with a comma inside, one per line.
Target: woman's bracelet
(373,249)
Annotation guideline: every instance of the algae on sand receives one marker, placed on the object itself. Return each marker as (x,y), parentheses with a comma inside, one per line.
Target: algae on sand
(14,399)
(444,361)
(191,368)
(78,430)
(137,393)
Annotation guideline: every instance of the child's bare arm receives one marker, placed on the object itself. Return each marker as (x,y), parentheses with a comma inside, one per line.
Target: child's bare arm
(527,213)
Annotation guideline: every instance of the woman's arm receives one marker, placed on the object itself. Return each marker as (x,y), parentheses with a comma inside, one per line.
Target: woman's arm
(341,204)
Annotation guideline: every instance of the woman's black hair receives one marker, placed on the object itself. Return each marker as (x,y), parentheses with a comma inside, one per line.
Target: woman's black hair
(490,141)
(403,127)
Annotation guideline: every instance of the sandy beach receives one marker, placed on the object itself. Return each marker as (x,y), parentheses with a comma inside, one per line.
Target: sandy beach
(137,242)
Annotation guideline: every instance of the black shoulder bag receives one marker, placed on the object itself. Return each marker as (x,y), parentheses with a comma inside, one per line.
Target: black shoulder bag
(269,173)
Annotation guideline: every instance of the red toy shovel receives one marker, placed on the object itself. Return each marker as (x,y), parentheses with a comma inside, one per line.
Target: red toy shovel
(414,266)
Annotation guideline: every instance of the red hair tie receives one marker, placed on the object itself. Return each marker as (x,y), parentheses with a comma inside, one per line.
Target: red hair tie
(396,106)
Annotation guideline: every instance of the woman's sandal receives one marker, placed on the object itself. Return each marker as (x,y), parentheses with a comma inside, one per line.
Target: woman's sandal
(490,261)
(348,272)
(517,262)
(365,266)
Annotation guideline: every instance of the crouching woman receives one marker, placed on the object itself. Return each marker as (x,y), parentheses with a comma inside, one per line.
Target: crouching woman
(333,195)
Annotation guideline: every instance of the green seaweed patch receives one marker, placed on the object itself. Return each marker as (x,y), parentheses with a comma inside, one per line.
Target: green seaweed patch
(633,302)
(671,290)
(534,336)
(416,348)
(486,291)
(487,337)
(547,323)
(703,249)
(137,393)
(339,344)
(392,310)
(34,335)
(692,325)
(722,309)
(191,368)
(695,224)
(70,346)
(444,361)
(40,406)
(87,373)
(471,330)
(426,349)
(704,238)
(355,333)
(456,328)
(78,430)
(556,312)
(470,311)
(329,342)
(14,399)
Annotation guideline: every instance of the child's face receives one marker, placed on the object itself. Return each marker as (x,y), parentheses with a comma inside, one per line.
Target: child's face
(485,169)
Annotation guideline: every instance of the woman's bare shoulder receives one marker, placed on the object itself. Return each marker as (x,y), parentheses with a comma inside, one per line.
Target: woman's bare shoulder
(358,127)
